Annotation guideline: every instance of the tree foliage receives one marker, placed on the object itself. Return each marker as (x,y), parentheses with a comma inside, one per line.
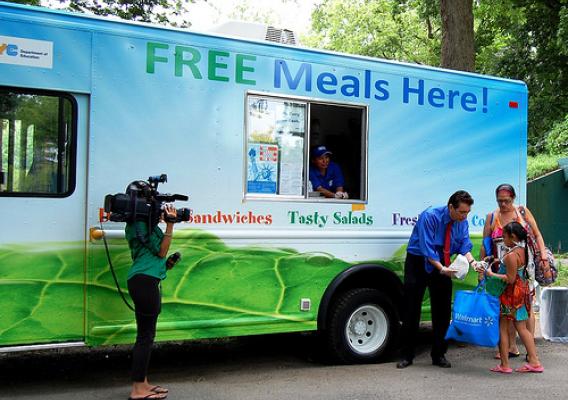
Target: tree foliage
(29,2)
(165,12)
(557,138)
(379,28)
(531,45)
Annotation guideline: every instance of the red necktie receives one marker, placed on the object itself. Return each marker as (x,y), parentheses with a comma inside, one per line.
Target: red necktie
(447,243)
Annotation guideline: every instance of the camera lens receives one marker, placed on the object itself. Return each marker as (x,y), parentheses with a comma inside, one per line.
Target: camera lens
(183,214)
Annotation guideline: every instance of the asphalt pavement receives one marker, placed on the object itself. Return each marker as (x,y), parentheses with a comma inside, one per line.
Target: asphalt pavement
(278,367)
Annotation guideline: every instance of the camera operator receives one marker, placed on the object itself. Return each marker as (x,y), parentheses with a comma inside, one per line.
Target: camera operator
(148,246)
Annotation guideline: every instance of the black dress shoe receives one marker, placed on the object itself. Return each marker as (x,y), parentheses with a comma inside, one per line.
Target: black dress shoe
(404,363)
(442,362)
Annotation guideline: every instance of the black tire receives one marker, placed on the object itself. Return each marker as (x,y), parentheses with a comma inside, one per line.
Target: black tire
(362,326)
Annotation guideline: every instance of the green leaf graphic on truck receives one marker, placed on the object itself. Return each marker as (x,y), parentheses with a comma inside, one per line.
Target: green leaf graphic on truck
(214,291)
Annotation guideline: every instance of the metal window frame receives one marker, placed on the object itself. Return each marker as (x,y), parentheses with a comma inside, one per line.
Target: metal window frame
(307,143)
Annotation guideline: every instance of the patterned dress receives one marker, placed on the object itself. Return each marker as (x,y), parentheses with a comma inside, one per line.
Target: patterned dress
(515,299)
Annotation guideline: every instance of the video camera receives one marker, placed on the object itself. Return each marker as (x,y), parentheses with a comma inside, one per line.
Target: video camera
(143,202)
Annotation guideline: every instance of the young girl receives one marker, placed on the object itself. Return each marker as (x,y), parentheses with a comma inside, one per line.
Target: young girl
(515,299)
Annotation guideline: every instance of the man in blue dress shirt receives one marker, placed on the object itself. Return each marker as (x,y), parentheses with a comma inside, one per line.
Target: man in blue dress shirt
(438,233)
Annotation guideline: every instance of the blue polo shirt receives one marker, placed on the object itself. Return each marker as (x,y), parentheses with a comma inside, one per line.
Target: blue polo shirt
(429,233)
(331,181)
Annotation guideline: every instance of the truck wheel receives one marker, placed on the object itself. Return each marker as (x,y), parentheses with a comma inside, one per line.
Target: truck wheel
(362,326)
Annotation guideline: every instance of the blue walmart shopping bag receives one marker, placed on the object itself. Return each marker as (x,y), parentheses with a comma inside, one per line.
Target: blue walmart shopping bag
(475,317)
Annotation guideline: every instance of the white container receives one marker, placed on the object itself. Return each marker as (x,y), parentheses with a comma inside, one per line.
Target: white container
(554,314)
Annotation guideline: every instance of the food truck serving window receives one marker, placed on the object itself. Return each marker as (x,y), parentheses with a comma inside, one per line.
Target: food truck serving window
(284,136)
(37,143)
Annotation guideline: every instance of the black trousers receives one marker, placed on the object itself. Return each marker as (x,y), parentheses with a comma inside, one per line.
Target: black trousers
(145,292)
(416,280)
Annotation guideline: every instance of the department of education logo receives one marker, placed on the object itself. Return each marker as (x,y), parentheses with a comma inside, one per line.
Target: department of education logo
(28,52)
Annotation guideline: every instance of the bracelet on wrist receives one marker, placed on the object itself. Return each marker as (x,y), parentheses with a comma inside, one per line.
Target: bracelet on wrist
(168,234)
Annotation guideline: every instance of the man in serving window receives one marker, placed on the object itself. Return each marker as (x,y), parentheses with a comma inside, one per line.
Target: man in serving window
(325,175)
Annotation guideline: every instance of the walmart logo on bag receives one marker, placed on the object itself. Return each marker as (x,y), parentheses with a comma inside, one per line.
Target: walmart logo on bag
(477,321)
(489,321)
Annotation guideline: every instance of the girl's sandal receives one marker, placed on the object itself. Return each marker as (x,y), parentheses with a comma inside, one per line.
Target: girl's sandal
(502,370)
(529,368)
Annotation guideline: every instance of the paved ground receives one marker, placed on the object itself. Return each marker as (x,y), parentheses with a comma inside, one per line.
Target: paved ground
(277,367)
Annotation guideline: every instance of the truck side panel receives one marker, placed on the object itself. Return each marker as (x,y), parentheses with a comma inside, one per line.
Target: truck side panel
(166,101)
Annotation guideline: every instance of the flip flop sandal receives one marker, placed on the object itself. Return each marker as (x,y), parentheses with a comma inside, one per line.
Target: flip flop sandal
(149,397)
(159,389)
(527,368)
(500,369)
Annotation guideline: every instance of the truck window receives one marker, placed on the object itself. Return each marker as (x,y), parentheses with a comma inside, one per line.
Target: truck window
(280,136)
(342,130)
(276,143)
(37,149)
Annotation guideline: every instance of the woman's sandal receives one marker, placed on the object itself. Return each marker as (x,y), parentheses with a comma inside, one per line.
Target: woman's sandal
(502,370)
(529,368)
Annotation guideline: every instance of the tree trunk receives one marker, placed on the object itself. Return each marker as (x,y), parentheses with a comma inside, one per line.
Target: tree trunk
(458,50)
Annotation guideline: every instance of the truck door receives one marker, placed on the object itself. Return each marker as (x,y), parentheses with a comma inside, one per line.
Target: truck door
(42,216)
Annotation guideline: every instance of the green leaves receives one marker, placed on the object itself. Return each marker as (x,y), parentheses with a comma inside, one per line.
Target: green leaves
(380,28)
(523,39)
(41,294)
(557,139)
(164,12)
(214,291)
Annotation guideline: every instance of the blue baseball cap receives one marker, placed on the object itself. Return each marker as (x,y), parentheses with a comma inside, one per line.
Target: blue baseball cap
(320,151)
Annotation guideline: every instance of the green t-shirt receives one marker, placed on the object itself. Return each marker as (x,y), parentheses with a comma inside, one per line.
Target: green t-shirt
(145,259)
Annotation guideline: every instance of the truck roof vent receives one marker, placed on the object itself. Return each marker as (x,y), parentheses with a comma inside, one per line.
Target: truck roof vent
(285,36)
(256,31)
